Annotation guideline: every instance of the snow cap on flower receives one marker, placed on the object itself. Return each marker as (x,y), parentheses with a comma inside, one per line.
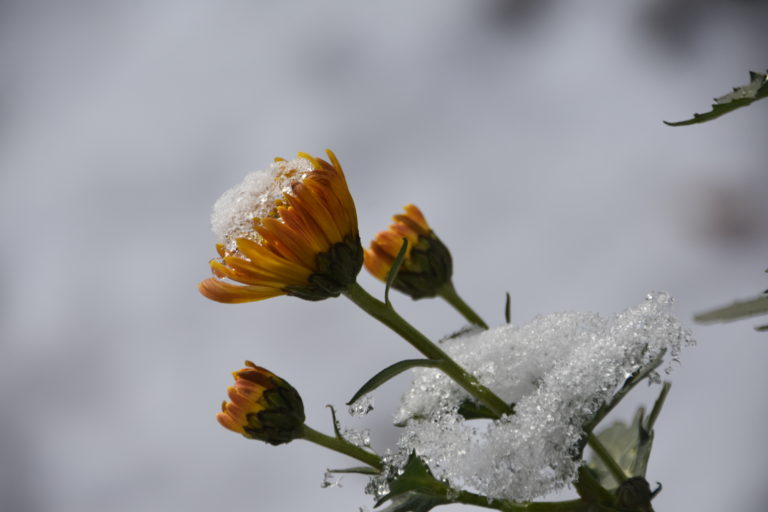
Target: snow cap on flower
(262,406)
(289,230)
(427,266)
(559,369)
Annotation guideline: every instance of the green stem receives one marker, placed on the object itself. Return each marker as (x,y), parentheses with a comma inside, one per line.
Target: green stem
(448,293)
(633,381)
(389,317)
(601,451)
(470,498)
(342,446)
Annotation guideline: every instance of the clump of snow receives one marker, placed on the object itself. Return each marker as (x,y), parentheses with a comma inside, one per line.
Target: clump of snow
(361,438)
(255,197)
(361,406)
(558,370)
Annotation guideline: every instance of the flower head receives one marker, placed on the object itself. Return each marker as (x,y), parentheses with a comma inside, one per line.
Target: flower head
(263,406)
(427,266)
(290,230)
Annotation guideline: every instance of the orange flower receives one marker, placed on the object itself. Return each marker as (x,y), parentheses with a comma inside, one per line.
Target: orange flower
(427,266)
(263,406)
(291,230)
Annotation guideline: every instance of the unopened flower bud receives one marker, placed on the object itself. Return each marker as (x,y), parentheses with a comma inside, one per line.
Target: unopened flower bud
(263,406)
(427,266)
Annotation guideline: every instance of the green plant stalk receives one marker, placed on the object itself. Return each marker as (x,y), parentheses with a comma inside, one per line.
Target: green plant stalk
(633,381)
(448,293)
(438,488)
(470,498)
(601,451)
(342,446)
(389,317)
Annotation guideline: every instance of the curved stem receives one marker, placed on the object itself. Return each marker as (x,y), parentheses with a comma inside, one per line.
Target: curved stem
(601,451)
(342,446)
(389,317)
(470,498)
(448,293)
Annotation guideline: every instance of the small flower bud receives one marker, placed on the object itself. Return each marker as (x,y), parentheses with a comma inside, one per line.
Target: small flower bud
(263,406)
(635,494)
(427,266)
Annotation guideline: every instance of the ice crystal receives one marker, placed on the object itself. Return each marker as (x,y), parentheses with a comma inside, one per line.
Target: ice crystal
(255,197)
(361,438)
(330,480)
(558,370)
(361,406)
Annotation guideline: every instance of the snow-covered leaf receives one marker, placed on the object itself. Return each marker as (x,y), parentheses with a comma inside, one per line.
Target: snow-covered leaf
(741,96)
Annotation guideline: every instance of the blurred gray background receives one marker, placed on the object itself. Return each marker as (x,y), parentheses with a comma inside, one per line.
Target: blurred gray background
(530,134)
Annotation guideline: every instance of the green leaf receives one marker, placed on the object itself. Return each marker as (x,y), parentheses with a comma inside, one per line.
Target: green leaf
(395,269)
(417,477)
(508,309)
(414,502)
(363,470)
(657,406)
(742,96)
(472,410)
(735,311)
(762,328)
(629,445)
(393,371)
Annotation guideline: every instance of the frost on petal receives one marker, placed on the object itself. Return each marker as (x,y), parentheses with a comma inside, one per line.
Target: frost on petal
(558,369)
(255,197)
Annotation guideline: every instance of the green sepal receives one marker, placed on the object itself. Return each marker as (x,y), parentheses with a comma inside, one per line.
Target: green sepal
(395,268)
(428,269)
(362,470)
(393,371)
(337,268)
(417,477)
(282,420)
(414,502)
(336,430)
(741,96)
